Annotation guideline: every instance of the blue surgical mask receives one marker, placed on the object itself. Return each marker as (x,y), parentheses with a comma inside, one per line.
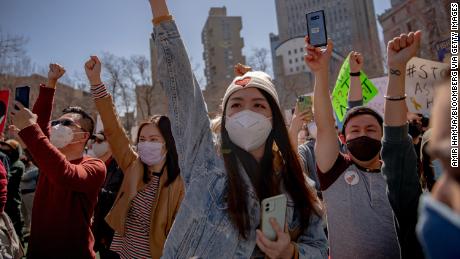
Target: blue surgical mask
(437,168)
(438,229)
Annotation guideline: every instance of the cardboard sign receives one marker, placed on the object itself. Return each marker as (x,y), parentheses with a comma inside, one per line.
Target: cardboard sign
(442,49)
(4,98)
(342,86)
(381,83)
(421,77)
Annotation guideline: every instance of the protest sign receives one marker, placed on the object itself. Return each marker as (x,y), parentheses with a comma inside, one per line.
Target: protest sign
(377,103)
(442,49)
(4,97)
(421,77)
(342,86)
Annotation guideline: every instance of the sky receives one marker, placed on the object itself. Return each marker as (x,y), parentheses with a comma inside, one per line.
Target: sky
(67,32)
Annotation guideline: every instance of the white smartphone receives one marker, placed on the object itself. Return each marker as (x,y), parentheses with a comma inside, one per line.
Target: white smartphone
(273,207)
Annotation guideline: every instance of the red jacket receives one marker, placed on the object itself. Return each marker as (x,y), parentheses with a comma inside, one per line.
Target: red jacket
(3,185)
(66,193)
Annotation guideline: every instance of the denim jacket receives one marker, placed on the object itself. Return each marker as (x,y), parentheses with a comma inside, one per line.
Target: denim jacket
(203,227)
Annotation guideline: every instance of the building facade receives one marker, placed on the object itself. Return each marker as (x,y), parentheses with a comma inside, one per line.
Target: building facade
(151,99)
(292,76)
(65,95)
(351,24)
(222,46)
(430,16)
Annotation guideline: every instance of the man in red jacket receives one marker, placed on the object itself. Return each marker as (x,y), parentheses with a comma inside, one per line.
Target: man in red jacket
(69,182)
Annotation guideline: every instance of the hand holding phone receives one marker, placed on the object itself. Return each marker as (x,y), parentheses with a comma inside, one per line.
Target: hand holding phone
(304,103)
(273,207)
(316,26)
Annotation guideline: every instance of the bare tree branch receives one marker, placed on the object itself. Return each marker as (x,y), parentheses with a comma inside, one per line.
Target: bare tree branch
(259,59)
(119,86)
(13,58)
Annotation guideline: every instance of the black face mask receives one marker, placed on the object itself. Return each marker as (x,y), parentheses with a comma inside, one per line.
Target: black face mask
(364,148)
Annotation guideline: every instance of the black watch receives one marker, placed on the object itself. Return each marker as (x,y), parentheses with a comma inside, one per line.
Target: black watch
(355,74)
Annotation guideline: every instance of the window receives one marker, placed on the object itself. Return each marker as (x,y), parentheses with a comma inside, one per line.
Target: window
(289,52)
(296,60)
(301,49)
(226,30)
(297,69)
(291,70)
(290,61)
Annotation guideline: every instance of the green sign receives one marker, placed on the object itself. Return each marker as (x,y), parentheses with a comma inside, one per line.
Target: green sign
(342,86)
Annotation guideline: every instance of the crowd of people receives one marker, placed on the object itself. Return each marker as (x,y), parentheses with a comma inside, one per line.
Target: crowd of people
(191,186)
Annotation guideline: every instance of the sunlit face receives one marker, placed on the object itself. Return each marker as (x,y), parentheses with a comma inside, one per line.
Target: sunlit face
(80,134)
(363,125)
(152,133)
(248,99)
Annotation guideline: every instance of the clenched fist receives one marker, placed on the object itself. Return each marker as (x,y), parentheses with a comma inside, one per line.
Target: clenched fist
(356,61)
(401,49)
(93,70)
(55,72)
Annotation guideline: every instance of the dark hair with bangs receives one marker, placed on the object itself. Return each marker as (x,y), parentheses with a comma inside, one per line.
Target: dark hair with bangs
(172,161)
(266,183)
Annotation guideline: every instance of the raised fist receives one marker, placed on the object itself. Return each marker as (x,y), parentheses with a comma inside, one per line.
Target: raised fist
(356,61)
(93,70)
(56,71)
(401,49)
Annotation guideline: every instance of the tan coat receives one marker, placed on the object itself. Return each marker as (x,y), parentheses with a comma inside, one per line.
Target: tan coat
(168,198)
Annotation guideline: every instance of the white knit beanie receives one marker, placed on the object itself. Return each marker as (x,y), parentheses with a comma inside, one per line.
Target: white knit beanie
(255,79)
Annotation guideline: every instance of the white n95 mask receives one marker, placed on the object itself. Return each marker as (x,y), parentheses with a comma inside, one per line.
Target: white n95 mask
(61,136)
(248,130)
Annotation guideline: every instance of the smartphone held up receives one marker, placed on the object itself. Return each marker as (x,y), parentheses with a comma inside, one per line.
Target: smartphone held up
(22,95)
(304,103)
(316,27)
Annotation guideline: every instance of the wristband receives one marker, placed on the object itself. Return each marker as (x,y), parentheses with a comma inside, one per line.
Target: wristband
(355,73)
(395,98)
(158,20)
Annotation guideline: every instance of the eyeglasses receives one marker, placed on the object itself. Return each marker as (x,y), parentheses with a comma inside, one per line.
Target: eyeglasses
(67,123)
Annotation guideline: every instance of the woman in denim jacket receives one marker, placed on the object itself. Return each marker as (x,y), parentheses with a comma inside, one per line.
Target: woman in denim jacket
(220,215)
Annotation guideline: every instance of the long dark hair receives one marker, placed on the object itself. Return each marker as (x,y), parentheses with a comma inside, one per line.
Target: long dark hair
(262,174)
(172,161)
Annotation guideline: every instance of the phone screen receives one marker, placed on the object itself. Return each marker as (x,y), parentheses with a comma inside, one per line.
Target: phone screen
(22,95)
(316,24)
